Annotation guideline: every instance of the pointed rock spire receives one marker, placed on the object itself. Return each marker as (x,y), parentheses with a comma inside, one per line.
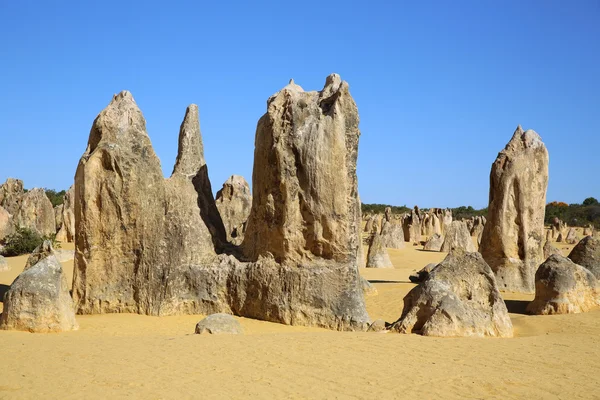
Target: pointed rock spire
(190,155)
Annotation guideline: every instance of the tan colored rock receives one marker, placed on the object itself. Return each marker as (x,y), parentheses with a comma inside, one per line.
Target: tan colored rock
(36,213)
(563,287)
(66,233)
(378,257)
(369,224)
(40,253)
(457,237)
(392,235)
(587,254)
(572,237)
(136,261)
(234,201)
(39,300)
(459,298)
(513,237)
(434,243)
(11,196)
(305,202)
(549,249)
(58,210)
(160,258)
(4,264)
(6,223)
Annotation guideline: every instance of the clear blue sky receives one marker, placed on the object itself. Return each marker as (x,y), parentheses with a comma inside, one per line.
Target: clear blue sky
(440,85)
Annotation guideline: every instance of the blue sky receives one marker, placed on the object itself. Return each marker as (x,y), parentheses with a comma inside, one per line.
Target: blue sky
(440,85)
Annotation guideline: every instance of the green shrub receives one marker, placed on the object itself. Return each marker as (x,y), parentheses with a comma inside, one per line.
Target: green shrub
(56,198)
(23,241)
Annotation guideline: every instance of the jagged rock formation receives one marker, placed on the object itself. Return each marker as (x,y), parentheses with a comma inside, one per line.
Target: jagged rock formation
(457,237)
(392,235)
(234,201)
(434,243)
(11,195)
(6,223)
(39,300)
(572,237)
(587,254)
(32,210)
(378,257)
(160,257)
(563,287)
(66,232)
(513,237)
(41,252)
(458,298)
(36,213)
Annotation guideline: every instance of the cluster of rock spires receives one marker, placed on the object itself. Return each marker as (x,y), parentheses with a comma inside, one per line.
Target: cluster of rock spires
(157,246)
(25,209)
(33,210)
(288,252)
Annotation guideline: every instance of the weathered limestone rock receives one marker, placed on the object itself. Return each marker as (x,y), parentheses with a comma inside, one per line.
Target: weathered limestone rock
(392,235)
(588,230)
(378,257)
(549,249)
(66,233)
(422,274)
(446,219)
(234,201)
(58,218)
(457,237)
(6,223)
(437,226)
(11,195)
(388,214)
(368,288)
(559,238)
(369,223)
(563,287)
(434,243)
(587,254)
(159,257)
(572,237)
(39,301)
(41,252)
(412,227)
(137,235)
(217,324)
(4,264)
(36,213)
(459,298)
(512,241)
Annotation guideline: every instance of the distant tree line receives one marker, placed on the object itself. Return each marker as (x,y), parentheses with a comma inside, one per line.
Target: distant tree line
(380,208)
(582,214)
(466,212)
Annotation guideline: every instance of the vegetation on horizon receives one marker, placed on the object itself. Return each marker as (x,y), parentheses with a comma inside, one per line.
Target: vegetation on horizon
(580,215)
(56,198)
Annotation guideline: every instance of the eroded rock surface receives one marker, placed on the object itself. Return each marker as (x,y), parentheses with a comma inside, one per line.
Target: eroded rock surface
(160,257)
(234,201)
(459,298)
(563,287)
(587,254)
(513,237)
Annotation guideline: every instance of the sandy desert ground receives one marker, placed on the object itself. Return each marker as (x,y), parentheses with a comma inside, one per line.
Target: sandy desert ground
(133,356)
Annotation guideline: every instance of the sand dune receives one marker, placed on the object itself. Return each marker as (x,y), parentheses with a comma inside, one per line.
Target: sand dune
(133,356)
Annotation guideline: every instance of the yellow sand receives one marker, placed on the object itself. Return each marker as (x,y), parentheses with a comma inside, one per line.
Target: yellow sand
(132,356)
